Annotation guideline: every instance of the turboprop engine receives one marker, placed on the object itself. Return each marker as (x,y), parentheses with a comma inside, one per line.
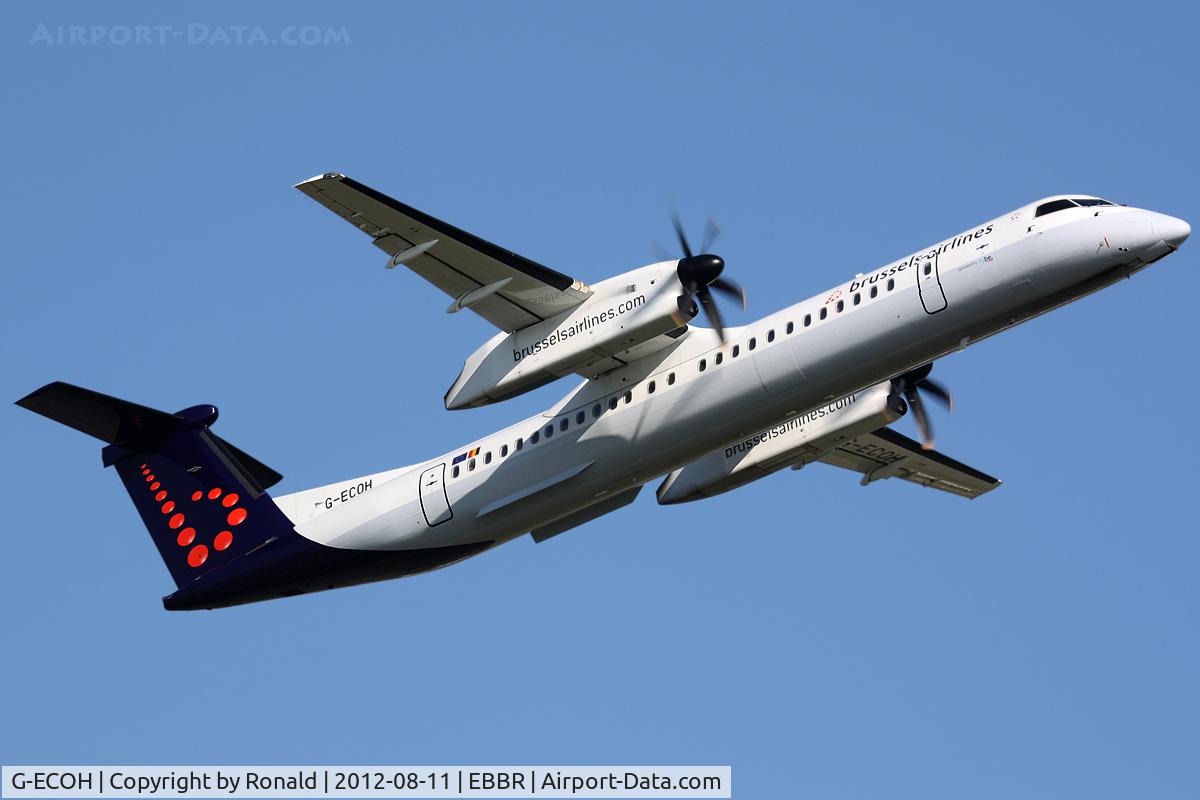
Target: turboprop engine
(624,318)
(798,440)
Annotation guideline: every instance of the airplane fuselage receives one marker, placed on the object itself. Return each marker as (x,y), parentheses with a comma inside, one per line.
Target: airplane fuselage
(592,451)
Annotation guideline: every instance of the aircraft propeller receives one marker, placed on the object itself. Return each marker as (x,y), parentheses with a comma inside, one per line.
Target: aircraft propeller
(910,384)
(700,272)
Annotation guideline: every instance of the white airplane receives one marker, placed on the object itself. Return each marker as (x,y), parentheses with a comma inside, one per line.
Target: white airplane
(711,409)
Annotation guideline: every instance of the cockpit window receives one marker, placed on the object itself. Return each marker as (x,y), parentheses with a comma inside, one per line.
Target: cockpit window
(1052,206)
(1092,201)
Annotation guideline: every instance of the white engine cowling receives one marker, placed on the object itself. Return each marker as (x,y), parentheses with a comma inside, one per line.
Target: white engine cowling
(798,440)
(622,315)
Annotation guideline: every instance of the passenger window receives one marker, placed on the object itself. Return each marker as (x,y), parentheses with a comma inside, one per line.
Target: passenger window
(807,320)
(1052,206)
(533,437)
(471,465)
(703,365)
(841,304)
(566,423)
(791,327)
(824,313)
(596,410)
(857,298)
(671,379)
(734,352)
(928,268)
(650,387)
(454,472)
(612,403)
(718,358)
(520,443)
(628,397)
(487,457)
(874,291)
(503,451)
(549,431)
(753,343)
(771,335)
(580,417)
(891,284)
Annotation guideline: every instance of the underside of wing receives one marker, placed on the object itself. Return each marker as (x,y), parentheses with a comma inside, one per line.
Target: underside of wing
(506,289)
(887,454)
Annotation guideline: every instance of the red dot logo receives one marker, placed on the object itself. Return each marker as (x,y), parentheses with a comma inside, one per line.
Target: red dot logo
(168,507)
(236,517)
(175,521)
(223,540)
(197,555)
(186,537)
(230,500)
(213,494)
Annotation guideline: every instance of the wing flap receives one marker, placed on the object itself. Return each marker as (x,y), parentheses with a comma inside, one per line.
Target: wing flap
(887,454)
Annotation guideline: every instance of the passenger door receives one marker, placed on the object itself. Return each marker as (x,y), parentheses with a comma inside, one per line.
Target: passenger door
(929,285)
(434,501)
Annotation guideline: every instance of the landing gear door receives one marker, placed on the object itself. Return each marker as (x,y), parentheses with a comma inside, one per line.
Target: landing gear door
(434,501)
(929,285)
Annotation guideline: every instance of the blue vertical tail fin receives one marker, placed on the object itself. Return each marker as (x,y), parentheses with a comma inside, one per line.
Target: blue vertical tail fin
(202,499)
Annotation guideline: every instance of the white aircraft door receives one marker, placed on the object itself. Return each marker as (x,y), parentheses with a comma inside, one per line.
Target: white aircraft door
(929,285)
(434,502)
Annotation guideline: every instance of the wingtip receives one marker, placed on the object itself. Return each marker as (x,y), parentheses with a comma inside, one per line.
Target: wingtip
(25,401)
(323,176)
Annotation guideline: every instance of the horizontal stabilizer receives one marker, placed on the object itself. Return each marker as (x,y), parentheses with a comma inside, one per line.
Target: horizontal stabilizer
(109,419)
(132,426)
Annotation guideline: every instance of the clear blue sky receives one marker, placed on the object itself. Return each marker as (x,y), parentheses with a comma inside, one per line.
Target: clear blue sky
(826,640)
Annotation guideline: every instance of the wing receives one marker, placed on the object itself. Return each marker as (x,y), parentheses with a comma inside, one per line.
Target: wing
(506,289)
(887,454)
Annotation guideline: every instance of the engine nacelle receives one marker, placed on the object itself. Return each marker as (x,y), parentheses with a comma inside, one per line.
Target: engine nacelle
(623,314)
(798,440)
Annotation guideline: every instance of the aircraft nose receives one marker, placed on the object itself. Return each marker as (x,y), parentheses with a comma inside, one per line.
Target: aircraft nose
(1173,231)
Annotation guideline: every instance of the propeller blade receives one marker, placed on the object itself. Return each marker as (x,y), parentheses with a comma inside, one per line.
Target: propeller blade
(922,418)
(661,253)
(714,314)
(938,391)
(683,242)
(711,231)
(731,290)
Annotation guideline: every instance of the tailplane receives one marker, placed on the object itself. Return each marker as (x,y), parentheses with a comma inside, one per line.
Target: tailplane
(202,499)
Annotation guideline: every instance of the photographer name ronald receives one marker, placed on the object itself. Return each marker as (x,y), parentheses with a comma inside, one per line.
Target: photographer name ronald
(356,781)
